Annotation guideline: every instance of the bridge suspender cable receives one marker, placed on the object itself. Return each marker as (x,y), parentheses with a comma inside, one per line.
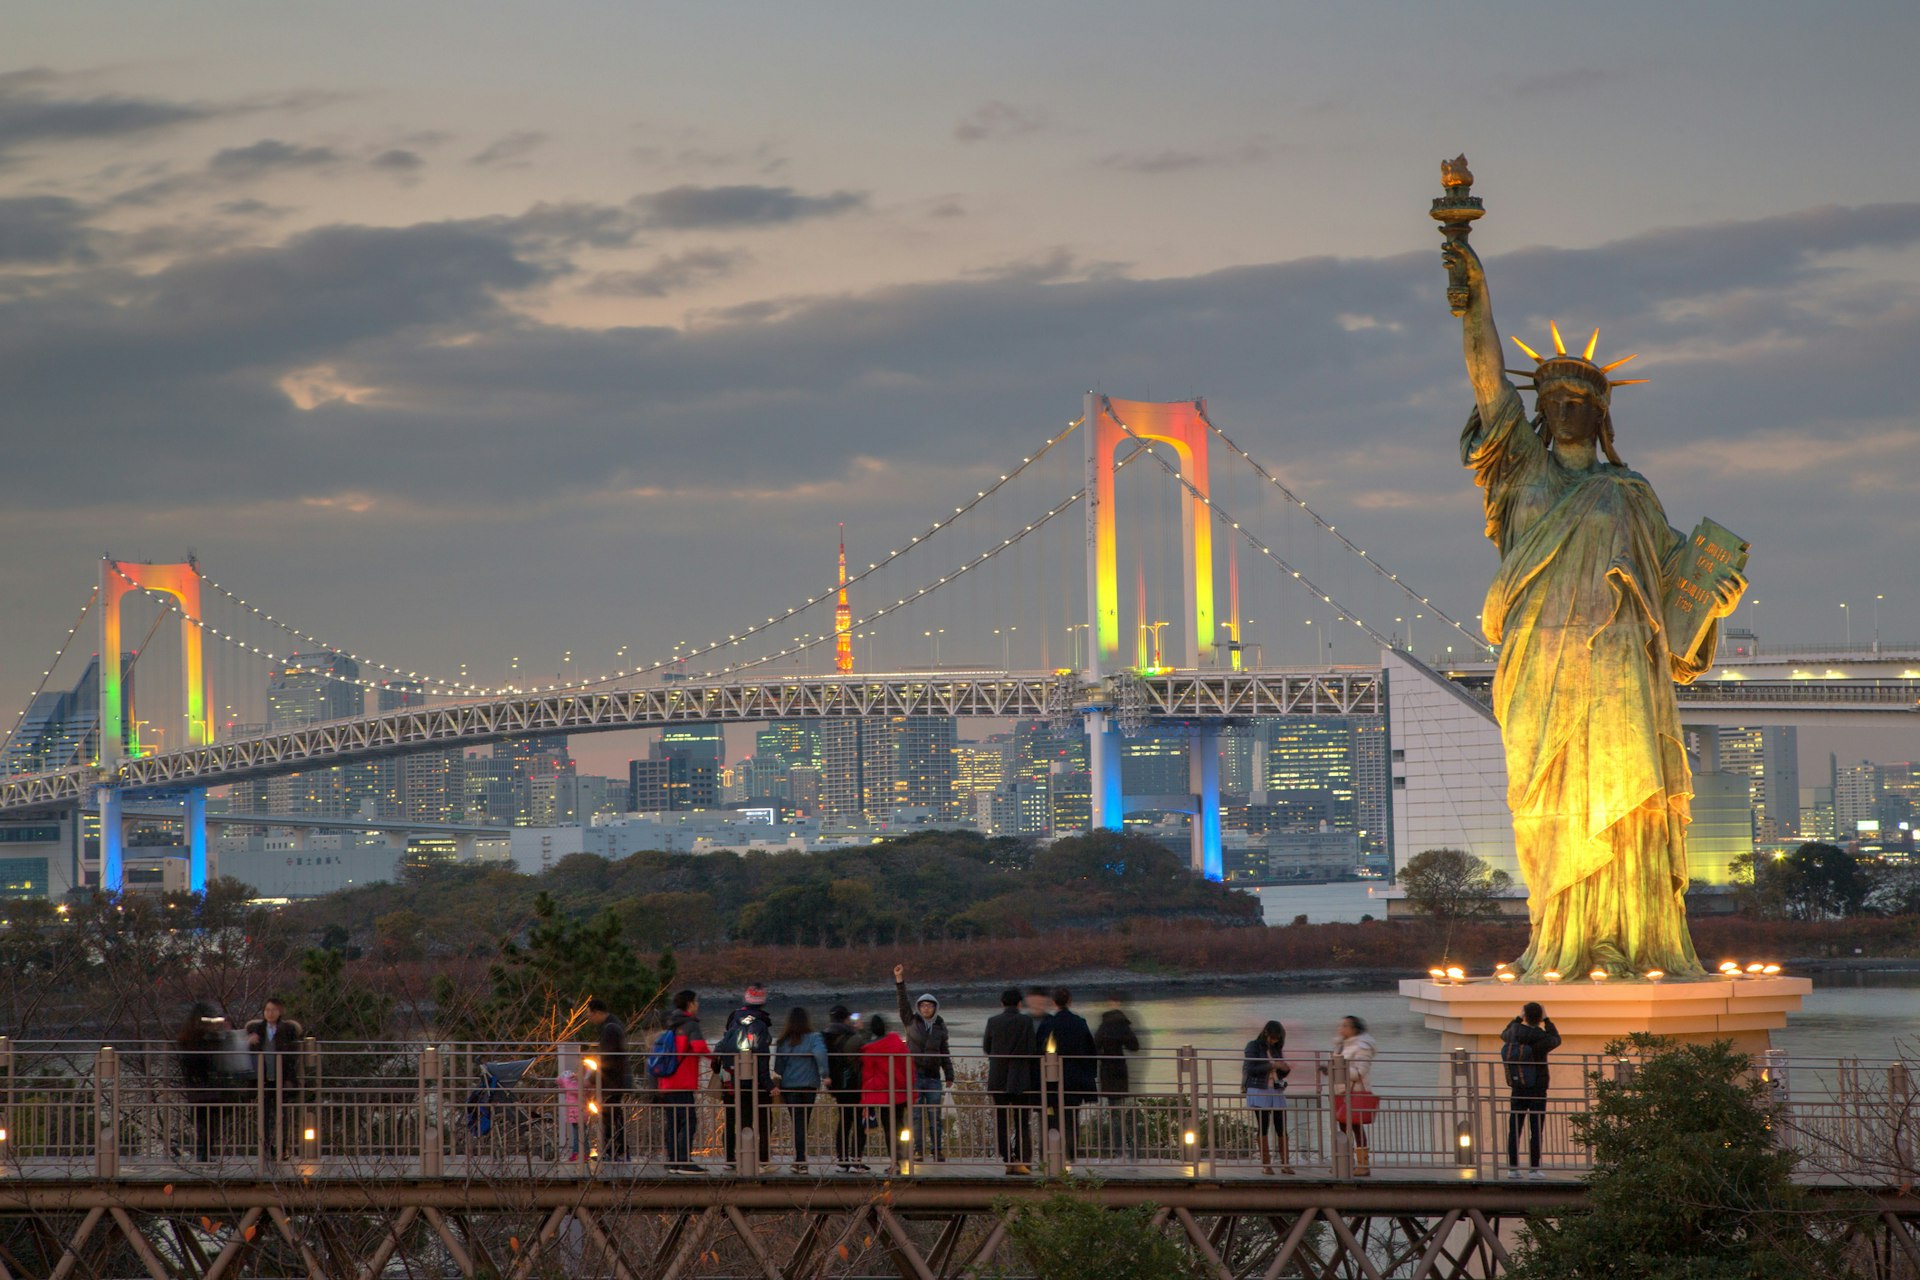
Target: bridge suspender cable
(1344,613)
(1345,541)
(7,742)
(644,669)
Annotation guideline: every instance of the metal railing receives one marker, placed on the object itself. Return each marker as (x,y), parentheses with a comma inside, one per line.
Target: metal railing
(464,1110)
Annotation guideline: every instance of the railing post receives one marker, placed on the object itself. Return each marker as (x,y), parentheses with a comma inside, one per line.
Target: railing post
(6,1095)
(262,1139)
(1339,1138)
(746,1099)
(1467,1133)
(106,1112)
(1899,1105)
(431,1164)
(1209,1110)
(1053,1116)
(1190,1133)
(310,1099)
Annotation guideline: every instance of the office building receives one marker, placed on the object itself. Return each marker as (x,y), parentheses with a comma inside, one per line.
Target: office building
(1768,759)
(979,768)
(311,687)
(61,729)
(874,766)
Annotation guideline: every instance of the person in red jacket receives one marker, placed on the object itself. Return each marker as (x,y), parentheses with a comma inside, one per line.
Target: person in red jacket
(886,1082)
(680,1090)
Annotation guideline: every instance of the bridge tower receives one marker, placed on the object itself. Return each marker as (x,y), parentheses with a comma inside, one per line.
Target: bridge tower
(118,740)
(1182,425)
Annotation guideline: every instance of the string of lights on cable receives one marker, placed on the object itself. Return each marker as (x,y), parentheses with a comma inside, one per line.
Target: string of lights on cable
(1342,612)
(927,590)
(440,686)
(6,744)
(1347,542)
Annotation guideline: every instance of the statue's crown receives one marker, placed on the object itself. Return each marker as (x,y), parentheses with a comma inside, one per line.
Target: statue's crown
(1572,371)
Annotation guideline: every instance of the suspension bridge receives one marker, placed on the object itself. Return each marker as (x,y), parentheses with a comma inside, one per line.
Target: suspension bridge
(1018,577)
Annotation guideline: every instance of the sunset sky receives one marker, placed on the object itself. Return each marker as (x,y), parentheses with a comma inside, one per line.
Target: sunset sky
(477,329)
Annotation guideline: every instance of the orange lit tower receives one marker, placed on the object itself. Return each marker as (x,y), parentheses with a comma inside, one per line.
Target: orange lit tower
(843,614)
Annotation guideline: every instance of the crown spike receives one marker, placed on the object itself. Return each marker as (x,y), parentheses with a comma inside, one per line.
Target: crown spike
(1524,347)
(1629,382)
(1559,346)
(1592,342)
(1609,368)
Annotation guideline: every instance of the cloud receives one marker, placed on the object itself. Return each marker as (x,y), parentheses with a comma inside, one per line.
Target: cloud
(31,113)
(362,376)
(672,274)
(509,151)
(1179,160)
(269,155)
(398,160)
(44,230)
(996,121)
(1056,264)
(687,208)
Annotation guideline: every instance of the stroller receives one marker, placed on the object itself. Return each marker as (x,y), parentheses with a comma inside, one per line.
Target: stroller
(501,1120)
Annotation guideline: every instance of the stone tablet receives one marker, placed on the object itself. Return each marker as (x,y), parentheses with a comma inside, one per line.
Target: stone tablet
(1713,554)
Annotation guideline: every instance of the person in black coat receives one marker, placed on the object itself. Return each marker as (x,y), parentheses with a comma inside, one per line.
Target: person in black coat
(1113,1040)
(201,1042)
(275,1040)
(616,1075)
(1525,1044)
(927,1038)
(845,1038)
(1067,1034)
(1013,1079)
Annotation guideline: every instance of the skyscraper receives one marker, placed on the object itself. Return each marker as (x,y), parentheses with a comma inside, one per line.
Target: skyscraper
(1311,758)
(871,767)
(310,687)
(1767,759)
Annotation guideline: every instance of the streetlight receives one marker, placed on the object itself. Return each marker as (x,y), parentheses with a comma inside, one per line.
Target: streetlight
(1006,646)
(1154,628)
(934,636)
(1848,615)
(1072,634)
(1876,622)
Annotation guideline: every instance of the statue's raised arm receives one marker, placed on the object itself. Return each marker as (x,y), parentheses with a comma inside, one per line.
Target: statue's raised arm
(1479,337)
(1456,209)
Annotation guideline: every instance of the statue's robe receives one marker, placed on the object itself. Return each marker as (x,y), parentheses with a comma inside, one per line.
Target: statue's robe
(1597,774)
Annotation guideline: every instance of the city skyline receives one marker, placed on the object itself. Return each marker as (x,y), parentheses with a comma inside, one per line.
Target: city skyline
(370,335)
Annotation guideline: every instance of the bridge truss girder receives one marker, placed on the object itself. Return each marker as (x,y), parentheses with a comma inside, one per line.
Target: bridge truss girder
(1187,695)
(529,1228)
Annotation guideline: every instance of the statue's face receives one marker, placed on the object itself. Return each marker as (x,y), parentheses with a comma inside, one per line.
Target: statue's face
(1573,419)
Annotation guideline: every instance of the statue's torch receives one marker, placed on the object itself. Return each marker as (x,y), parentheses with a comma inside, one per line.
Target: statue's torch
(1455,210)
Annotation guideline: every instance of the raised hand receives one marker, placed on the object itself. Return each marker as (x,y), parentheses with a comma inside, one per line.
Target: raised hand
(899,973)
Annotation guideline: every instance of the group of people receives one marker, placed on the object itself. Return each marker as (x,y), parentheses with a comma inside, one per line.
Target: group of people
(223,1071)
(877,1075)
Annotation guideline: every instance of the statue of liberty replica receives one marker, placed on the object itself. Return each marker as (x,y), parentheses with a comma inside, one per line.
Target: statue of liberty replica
(1598,607)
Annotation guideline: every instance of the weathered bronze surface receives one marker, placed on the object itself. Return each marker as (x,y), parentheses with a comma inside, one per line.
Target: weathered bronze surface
(1597,775)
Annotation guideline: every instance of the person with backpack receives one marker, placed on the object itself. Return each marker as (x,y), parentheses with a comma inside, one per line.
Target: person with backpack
(1066,1033)
(673,1061)
(885,1083)
(845,1039)
(800,1068)
(1263,1079)
(749,1031)
(926,1034)
(1524,1046)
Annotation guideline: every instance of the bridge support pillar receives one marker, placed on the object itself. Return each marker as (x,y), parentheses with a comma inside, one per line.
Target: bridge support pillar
(196,840)
(113,842)
(1203,779)
(1103,762)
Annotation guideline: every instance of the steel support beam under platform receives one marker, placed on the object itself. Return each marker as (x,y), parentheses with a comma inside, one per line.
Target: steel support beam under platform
(632,1229)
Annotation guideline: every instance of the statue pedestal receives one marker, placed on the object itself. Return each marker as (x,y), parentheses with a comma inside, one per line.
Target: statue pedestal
(1471,1015)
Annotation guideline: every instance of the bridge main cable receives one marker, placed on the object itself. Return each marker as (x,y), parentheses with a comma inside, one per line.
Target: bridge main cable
(1344,540)
(644,669)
